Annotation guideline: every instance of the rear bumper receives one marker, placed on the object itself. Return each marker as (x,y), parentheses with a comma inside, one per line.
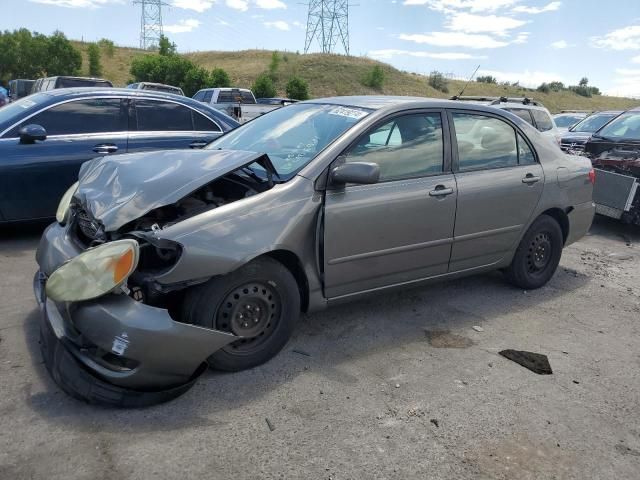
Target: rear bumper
(113,349)
(580,220)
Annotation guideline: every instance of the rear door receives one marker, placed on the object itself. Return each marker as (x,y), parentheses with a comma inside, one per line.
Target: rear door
(162,125)
(33,177)
(400,229)
(499,185)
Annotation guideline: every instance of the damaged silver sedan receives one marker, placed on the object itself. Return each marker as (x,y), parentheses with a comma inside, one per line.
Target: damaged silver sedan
(163,263)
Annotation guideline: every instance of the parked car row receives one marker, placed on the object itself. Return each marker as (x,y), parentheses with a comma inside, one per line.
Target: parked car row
(239,103)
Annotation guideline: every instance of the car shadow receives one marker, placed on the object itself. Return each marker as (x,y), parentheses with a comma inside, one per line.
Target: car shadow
(322,345)
(20,236)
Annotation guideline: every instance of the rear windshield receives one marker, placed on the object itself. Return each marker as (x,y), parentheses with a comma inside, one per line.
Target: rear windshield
(593,122)
(81,82)
(235,96)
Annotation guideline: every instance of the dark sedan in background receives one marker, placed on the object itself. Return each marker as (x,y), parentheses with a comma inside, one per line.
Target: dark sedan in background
(45,137)
(579,134)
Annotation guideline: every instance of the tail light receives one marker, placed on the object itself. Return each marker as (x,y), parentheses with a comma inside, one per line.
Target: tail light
(592,176)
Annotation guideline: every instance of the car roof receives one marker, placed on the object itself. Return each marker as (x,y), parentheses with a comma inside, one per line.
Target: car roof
(101,91)
(373,102)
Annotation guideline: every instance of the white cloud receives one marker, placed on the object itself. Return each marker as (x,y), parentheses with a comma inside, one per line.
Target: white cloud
(76,3)
(522,37)
(279,24)
(527,78)
(270,4)
(550,7)
(390,53)
(627,38)
(626,83)
(298,24)
(561,44)
(195,5)
(471,5)
(469,23)
(183,26)
(635,59)
(242,5)
(454,39)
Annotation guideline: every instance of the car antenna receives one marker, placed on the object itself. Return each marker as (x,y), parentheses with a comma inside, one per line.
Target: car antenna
(465,85)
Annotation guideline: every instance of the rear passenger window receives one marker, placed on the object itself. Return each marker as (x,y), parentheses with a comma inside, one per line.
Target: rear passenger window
(162,116)
(543,120)
(522,113)
(484,142)
(525,155)
(203,124)
(207,96)
(406,147)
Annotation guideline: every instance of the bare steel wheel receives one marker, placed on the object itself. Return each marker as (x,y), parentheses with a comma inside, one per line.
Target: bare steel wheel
(538,254)
(259,302)
(250,311)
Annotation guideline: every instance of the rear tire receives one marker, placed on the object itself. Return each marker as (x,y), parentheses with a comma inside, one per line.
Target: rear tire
(537,256)
(259,302)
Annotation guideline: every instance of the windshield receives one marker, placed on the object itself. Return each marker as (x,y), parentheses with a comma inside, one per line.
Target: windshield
(8,112)
(292,136)
(593,122)
(565,121)
(626,126)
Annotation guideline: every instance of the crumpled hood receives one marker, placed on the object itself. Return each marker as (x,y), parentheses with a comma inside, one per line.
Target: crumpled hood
(576,137)
(118,189)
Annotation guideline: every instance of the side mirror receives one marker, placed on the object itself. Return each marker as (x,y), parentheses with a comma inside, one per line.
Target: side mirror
(31,133)
(355,172)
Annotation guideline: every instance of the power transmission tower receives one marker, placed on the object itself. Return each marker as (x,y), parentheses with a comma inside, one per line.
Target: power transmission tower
(150,23)
(328,23)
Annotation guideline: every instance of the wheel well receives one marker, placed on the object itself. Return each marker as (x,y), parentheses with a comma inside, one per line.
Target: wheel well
(561,217)
(291,261)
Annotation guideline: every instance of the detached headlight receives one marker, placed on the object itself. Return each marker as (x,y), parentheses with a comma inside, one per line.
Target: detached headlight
(94,272)
(63,207)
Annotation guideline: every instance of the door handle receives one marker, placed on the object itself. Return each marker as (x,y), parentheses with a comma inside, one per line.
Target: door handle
(440,191)
(530,179)
(105,149)
(198,144)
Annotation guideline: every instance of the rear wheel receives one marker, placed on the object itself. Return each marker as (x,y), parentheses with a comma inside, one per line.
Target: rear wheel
(538,254)
(259,303)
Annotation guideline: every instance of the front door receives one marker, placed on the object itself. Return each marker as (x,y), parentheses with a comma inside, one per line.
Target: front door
(400,229)
(163,125)
(34,176)
(499,185)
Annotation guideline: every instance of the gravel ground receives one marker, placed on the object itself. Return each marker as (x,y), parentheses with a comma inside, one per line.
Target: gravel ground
(398,386)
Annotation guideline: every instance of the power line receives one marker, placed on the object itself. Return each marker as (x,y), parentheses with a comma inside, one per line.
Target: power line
(328,23)
(150,23)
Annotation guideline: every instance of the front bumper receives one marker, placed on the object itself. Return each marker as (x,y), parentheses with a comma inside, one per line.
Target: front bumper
(113,349)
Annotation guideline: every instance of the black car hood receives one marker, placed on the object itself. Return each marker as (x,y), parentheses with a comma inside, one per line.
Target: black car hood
(116,190)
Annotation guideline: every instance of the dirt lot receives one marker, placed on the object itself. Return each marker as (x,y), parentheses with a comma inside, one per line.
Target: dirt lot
(399,386)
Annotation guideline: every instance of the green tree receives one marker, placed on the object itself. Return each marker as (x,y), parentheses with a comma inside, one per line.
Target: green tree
(263,87)
(219,78)
(166,47)
(584,81)
(62,57)
(486,79)
(195,79)
(107,47)
(95,68)
(438,81)
(556,86)
(375,78)
(297,89)
(273,66)
(544,88)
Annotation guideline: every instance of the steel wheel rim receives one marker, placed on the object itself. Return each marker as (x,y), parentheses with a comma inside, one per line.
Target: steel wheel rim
(251,311)
(539,253)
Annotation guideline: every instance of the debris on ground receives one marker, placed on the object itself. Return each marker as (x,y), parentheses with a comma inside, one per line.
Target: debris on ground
(446,339)
(301,352)
(536,362)
(576,382)
(435,422)
(478,328)
(270,425)
(397,385)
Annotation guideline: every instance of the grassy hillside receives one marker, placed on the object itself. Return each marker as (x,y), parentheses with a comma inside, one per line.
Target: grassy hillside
(341,75)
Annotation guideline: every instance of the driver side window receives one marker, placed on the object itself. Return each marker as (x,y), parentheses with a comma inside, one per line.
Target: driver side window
(406,147)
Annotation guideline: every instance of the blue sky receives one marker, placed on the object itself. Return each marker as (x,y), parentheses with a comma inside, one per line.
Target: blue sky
(530,41)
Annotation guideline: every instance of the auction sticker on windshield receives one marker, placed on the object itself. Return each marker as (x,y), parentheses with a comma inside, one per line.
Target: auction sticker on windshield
(348,112)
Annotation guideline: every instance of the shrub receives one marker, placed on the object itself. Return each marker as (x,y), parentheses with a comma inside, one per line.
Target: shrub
(273,66)
(195,79)
(486,79)
(297,89)
(95,68)
(544,88)
(171,70)
(219,78)
(263,87)
(166,47)
(438,81)
(107,47)
(375,78)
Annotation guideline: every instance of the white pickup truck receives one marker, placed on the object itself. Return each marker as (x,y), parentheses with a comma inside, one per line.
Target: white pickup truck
(239,103)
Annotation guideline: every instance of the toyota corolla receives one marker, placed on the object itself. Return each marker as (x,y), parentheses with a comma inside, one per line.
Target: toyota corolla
(163,263)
